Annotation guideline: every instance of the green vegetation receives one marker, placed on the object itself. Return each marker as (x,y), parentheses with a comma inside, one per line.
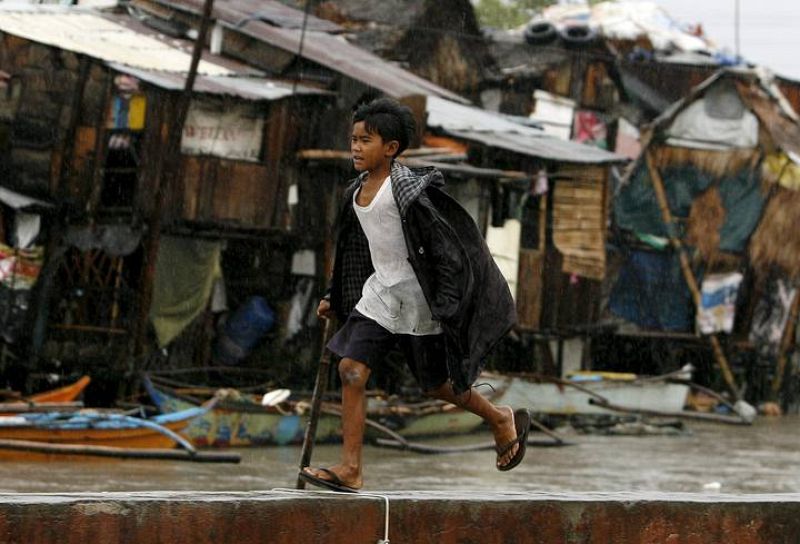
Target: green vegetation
(511,13)
(500,14)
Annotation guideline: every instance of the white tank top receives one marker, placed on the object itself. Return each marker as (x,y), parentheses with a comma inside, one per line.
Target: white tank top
(391,296)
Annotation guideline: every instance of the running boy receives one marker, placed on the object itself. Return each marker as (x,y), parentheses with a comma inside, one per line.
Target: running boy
(411,268)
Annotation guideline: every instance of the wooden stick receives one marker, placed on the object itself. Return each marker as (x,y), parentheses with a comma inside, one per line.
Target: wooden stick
(24,407)
(28,446)
(786,342)
(691,281)
(316,401)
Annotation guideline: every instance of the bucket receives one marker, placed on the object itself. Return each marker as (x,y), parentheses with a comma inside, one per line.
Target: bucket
(243,330)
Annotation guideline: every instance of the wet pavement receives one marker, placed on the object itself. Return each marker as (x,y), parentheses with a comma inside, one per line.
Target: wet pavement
(763,458)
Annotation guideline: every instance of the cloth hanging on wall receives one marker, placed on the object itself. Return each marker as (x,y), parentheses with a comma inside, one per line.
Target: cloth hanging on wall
(770,316)
(186,270)
(718,302)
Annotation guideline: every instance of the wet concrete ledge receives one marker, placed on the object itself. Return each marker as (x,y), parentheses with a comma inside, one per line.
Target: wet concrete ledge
(414,517)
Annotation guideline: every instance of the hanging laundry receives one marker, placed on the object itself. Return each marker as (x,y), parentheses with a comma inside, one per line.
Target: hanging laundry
(770,316)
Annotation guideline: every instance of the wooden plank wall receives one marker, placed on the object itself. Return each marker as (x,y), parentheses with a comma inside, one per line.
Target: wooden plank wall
(579,220)
(530,282)
(242,193)
(529,289)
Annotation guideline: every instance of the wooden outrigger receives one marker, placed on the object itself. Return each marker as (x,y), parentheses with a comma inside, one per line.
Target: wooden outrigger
(46,436)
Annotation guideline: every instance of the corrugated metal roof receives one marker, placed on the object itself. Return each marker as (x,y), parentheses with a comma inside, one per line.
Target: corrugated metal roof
(320,44)
(543,147)
(98,37)
(249,88)
(449,116)
(494,130)
(239,11)
(338,54)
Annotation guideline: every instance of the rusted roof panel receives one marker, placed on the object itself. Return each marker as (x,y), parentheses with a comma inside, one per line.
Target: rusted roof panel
(249,88)
(336,53)
(270,11)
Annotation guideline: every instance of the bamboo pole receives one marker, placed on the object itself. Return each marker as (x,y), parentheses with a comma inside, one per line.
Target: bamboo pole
(691,281)
(316,401)
(786,342)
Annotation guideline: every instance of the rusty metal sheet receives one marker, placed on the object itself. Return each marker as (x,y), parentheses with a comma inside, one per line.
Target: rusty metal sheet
(269,11)
(337,54)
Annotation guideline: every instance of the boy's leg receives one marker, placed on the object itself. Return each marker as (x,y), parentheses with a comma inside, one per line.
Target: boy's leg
(499,418)
(354,377)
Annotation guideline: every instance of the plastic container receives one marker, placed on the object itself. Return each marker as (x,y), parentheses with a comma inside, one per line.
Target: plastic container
(243,330)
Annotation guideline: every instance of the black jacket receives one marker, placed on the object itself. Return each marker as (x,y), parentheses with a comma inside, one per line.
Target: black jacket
(459,278)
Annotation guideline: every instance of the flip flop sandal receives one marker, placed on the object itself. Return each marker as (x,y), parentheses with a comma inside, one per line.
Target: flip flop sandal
(522,422)
(335,483)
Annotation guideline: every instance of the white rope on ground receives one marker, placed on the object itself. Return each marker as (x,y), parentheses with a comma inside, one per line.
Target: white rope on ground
(358,494)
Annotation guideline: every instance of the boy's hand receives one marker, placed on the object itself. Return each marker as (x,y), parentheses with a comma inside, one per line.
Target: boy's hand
(324,309)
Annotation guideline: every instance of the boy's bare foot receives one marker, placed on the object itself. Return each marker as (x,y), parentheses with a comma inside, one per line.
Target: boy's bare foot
(504,432)
(349,476)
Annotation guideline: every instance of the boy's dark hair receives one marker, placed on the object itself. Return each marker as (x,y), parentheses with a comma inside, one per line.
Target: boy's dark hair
(389,119)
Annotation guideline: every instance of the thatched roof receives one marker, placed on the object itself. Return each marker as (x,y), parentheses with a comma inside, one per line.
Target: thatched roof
(775,245)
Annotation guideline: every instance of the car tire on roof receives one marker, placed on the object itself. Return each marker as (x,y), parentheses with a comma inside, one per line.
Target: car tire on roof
(578,35)
(540,33)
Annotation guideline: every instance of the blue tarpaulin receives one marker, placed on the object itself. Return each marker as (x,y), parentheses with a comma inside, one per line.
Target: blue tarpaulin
(636,207)
(652,292)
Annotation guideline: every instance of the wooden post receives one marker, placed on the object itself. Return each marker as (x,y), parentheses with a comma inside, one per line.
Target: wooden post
(786,343)
(419,105)
(691,281)
(58,183)
(173,167)
(100,151)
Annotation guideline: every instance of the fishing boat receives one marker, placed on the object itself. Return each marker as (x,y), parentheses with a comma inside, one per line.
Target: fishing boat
(61,398)
(591,393)
(69,435)
(97,428)
(240,419)
(67,393)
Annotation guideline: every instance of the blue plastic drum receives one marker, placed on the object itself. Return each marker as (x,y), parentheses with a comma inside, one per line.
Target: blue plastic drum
(243,330)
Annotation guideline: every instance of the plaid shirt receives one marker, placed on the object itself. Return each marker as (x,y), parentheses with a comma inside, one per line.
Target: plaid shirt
(353,263)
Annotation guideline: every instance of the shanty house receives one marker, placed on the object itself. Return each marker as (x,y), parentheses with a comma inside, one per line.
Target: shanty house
(126,237)
(704,223)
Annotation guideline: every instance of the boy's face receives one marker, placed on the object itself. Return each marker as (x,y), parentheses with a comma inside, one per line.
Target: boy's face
(368,150)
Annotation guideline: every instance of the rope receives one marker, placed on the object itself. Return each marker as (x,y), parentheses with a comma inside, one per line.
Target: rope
(384,540)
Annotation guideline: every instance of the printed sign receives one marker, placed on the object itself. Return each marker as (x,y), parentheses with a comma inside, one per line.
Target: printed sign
(235,132)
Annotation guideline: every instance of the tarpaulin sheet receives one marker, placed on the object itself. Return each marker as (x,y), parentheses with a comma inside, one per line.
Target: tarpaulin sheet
(636,207)
(185,273)
(652,293)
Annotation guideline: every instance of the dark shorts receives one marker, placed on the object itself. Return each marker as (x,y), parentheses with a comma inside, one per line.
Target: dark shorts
(363,340)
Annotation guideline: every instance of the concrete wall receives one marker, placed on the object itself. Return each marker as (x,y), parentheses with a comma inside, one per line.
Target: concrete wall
(481,518)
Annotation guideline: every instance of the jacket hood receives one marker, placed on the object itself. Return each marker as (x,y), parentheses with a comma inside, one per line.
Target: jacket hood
(408,183)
